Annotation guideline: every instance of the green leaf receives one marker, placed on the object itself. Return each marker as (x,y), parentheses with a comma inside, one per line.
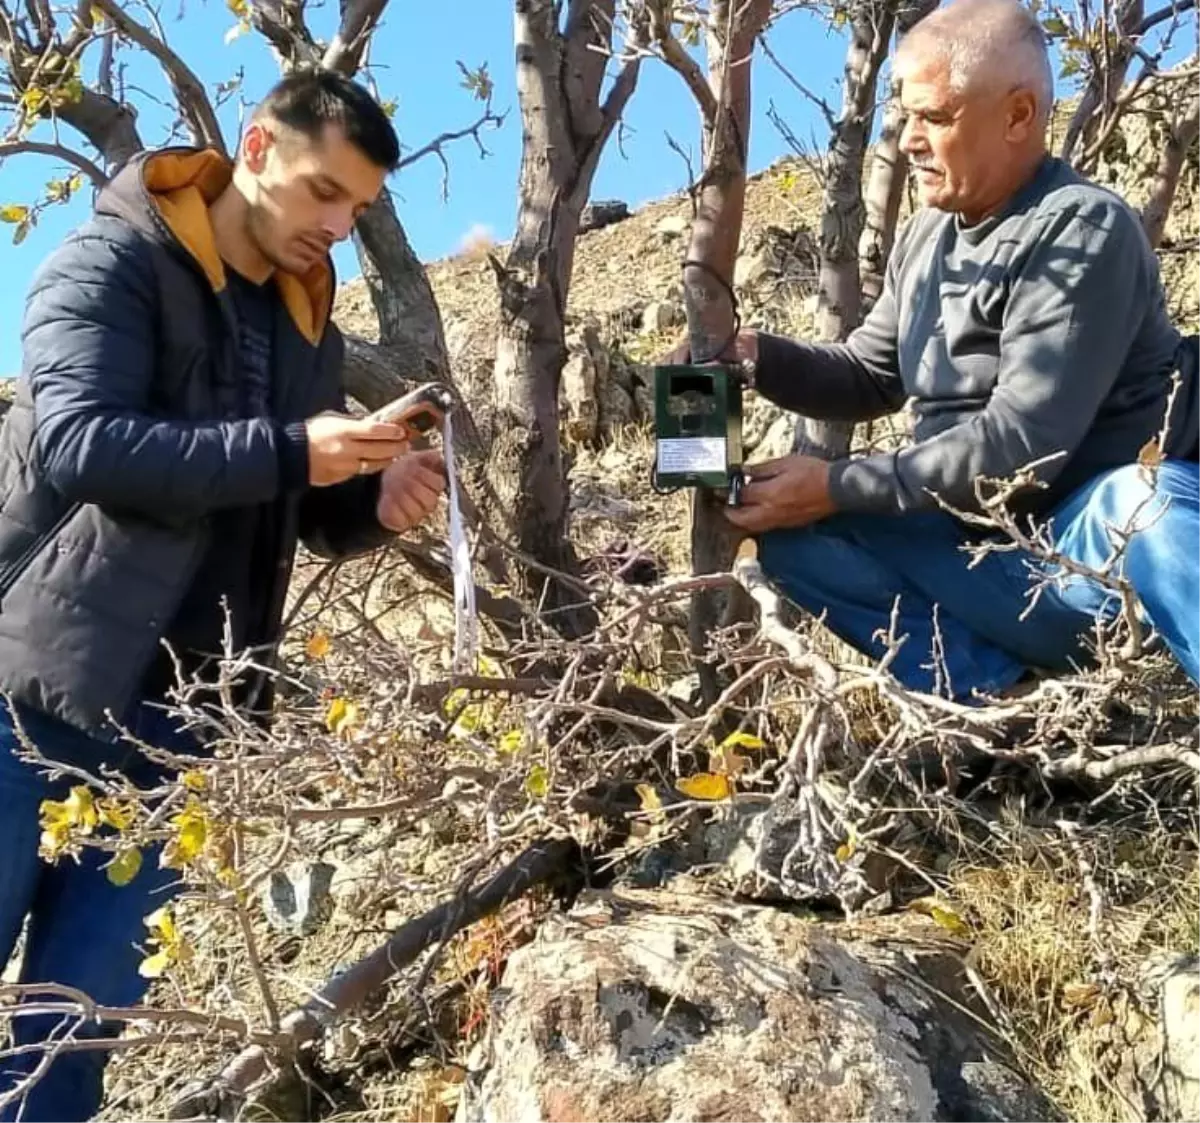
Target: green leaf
(1055,25)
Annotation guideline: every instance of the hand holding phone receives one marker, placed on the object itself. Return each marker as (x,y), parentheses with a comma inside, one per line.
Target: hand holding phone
(419,410)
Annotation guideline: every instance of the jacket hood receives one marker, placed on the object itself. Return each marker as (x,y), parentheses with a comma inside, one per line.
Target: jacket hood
(167,193)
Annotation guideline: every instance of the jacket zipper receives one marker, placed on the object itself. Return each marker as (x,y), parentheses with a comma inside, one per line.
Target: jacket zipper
(13,571)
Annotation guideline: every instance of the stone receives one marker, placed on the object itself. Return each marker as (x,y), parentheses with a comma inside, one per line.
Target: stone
(601,213)
(671,227)
(661,315)
(1160,1072)
(298,899)
(585,370)
(657,1005)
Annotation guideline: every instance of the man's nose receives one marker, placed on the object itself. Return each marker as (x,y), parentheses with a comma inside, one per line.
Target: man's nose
(910,141)
(338,223)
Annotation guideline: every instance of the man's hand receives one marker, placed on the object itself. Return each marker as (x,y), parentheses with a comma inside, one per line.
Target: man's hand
(340,447)
(409,490)
(789,492)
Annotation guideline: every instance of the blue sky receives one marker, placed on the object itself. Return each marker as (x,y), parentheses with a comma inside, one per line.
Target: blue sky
(415,56)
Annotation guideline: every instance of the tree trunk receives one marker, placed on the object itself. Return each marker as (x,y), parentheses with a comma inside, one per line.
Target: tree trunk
(716,233)
(885,185)
(885,190)
(559,79)
(839,303)
(110,127)
(1097,103)
(411,338)
(1181,138)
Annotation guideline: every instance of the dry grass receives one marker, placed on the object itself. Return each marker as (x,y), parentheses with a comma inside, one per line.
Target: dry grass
(1069,991)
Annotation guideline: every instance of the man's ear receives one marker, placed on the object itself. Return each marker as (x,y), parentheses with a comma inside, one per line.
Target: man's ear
(256,143)
(1021,115)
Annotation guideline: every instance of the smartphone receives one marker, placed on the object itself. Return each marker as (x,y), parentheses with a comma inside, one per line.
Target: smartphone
(419,410)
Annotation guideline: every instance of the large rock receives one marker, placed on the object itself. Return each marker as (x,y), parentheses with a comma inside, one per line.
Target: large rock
(650,1005)
(603,212)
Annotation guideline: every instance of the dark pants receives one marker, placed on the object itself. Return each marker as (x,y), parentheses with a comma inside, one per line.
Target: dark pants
(978,629)
(83,931)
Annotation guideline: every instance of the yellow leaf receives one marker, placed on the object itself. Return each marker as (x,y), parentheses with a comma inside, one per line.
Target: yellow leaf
(1080,994)
(704,785)
(81,808)
(318,646)
(13,212)
(124,867)
(155,966)
(239,8)
(649,798)
(740,740)
(537,783)
(54,839)
(1150,455)
(194,781)
(112,814)
(191,826)
(950,920)
(511,741)
(942,914)
(845,852)
(342,716)
(33,99)
(162,925)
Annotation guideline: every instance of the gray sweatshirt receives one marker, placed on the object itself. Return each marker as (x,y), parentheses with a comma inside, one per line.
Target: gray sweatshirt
(1040,330)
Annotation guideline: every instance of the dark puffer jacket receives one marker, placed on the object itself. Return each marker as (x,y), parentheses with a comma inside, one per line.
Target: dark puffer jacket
(117,450)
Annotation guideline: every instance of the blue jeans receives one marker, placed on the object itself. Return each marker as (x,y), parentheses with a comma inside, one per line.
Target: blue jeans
(83,930)
(962,628)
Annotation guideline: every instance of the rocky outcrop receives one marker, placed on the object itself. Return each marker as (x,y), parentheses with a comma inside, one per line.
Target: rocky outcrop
(657,1006)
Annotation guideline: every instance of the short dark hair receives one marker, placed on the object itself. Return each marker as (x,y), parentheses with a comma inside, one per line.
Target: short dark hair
(308,100)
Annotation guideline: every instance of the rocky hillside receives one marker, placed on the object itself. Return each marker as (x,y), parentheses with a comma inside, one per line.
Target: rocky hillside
(821,897)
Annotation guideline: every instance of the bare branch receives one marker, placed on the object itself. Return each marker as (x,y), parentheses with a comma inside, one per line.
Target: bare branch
(1163,14)
(489,119)
(819,102)
(359,18)
(680,61)
(58,152)
(194,105)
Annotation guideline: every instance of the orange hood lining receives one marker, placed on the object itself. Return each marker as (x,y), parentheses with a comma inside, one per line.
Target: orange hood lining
(182,186)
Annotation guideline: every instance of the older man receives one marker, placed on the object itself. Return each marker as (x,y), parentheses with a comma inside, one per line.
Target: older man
(1024,318)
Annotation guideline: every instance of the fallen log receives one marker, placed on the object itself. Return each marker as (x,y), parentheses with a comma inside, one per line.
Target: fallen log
(222,1096)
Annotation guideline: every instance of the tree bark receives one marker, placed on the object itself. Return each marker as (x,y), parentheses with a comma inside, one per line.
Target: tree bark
(410,323)
(559,80)
(839,303)
(885,185)
(109,126)
(1181,138)
(1098,101)
(724,102)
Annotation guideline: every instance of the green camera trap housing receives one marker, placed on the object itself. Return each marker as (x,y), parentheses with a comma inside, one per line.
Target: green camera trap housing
(698,427)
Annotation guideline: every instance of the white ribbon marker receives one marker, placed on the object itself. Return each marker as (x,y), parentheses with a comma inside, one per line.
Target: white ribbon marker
(465,621)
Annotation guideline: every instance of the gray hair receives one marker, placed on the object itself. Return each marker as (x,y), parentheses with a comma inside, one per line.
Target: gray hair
(984,43)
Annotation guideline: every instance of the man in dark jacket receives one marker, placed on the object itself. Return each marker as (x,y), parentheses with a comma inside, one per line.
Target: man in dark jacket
(179,426)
